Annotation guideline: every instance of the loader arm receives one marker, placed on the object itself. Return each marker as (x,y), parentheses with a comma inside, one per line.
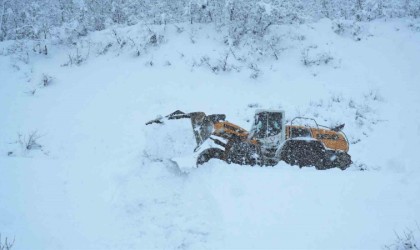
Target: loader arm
(172,116)
(202,124)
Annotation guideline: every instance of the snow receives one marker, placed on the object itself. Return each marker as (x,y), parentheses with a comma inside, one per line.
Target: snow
(104,180)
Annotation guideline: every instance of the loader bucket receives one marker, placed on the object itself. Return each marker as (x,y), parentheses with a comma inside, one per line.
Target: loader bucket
(203,125)
(202,129)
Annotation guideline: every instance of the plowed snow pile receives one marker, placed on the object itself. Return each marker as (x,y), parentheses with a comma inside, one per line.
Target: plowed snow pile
(95,177)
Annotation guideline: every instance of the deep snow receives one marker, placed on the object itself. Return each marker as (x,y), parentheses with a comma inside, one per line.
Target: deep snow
(105,180)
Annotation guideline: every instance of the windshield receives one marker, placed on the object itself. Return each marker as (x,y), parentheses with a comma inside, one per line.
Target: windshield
(267,124)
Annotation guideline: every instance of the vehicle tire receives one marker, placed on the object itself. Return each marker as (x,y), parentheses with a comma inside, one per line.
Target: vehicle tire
(344,160)
(303,153)
(244,153)
(208,154)
(332,159)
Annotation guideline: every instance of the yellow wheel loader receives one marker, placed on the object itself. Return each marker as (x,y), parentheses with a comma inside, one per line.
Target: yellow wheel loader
(269,141)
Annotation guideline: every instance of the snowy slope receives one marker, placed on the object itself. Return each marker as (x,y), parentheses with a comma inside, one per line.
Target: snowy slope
(104,180)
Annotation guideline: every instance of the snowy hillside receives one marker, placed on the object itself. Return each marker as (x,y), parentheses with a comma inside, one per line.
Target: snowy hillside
(95,177)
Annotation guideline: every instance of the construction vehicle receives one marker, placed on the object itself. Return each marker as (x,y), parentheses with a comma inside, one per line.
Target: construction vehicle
(269,141)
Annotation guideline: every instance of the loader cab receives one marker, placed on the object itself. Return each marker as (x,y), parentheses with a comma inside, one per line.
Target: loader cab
(268,126)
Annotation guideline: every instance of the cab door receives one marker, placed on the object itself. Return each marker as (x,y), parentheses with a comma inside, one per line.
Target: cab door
(268,127)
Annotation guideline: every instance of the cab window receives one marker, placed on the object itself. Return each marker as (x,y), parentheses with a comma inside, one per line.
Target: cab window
(300,132)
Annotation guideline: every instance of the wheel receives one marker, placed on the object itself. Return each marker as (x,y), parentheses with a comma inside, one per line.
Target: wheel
(244,153)
(343,160)
(208,154)
(332,159)
(303,153)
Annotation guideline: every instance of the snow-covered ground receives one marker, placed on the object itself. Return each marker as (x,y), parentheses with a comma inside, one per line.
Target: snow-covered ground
(101,179)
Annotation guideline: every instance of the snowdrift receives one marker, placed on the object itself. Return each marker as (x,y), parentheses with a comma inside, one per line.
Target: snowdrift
(98,178)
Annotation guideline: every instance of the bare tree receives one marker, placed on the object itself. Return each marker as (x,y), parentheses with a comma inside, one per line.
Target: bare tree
(6,245)
(30,141)
(3,8)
